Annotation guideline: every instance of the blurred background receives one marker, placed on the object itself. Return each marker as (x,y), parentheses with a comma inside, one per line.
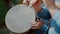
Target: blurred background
(5,5)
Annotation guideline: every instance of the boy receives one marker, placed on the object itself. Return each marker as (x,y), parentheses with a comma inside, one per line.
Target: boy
(42,15)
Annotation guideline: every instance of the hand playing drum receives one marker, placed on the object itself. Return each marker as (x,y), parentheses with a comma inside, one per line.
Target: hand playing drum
(37,25)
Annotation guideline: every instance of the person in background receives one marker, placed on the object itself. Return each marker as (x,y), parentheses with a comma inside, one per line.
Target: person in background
(42,16)
(54,9)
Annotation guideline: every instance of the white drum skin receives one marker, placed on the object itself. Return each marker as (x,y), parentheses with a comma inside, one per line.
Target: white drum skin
(19,17)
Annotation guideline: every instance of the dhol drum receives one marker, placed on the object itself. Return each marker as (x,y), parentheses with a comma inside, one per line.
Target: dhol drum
(19,17)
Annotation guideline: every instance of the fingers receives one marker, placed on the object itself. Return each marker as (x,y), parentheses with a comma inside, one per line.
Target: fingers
(33,25)
(26,2)
(32,2)
(29,2)
(37,25)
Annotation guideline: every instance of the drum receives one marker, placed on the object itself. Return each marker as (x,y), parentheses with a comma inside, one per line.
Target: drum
(19,17)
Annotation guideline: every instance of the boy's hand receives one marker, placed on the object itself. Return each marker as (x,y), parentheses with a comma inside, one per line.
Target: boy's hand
(37,25)
(29,2)
(26,2)
(33,3)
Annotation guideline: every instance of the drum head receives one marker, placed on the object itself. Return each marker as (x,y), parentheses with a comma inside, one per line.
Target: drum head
(19,17)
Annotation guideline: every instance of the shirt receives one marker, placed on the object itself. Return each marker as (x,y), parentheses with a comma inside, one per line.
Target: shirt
(45,16)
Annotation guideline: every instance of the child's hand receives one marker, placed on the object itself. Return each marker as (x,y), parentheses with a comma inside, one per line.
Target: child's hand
(37,25)
(29,2)
(26,2)
(33,3)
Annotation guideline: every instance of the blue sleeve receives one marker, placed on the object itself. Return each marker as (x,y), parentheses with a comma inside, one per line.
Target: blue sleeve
(47,14)
(55,24)
(56,17)
(44,14)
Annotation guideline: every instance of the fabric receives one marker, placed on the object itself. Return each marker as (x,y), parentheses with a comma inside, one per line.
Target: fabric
(55,24)
(45,16)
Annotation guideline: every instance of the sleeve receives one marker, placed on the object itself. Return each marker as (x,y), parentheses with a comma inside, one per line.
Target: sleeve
(56,17)
(44,14)
(55,24)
